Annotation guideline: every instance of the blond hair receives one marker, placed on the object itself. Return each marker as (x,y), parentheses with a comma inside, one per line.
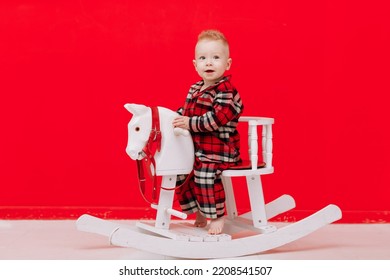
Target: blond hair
(212,34)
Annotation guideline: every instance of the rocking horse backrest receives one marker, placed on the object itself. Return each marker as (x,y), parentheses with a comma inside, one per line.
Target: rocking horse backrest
(266,140)
(177,151)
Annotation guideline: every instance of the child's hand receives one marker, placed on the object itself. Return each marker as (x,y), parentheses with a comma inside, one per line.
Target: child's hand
(182,122)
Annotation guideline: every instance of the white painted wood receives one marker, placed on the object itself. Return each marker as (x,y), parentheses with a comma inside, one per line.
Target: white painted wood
(256,199)
(258,120)
(266,140)
(264,144)
(268,145)
(172,212)
(151,227)
(231,207)
(254,145)
(177,149)
(278,206)
(92,224)
(247,172)
(247,224)
(246,234)
(165,202)
(128,237)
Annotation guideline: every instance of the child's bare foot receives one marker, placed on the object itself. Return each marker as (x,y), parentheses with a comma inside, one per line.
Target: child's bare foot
(216,225)
(200,221)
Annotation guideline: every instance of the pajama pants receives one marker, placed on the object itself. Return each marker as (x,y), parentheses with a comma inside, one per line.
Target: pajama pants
(204,191)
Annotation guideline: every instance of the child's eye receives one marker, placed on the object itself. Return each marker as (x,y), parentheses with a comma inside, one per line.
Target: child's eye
(202,58)
(216,57)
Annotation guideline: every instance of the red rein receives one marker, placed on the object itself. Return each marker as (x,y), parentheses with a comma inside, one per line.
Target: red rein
(152,146)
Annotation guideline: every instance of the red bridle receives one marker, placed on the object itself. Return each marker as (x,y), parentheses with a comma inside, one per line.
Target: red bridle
(152,146)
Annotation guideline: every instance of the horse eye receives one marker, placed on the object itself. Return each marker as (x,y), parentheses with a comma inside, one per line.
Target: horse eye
(137,128)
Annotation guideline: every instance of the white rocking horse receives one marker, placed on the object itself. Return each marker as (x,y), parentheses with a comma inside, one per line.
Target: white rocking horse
(245,234)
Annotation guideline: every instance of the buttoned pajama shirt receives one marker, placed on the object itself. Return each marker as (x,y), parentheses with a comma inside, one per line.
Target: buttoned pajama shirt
(213,117)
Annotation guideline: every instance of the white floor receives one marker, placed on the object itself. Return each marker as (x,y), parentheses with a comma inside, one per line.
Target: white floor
(59,240)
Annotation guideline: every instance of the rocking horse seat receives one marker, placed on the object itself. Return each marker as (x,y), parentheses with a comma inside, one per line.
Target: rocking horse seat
(246,165)
(245,169)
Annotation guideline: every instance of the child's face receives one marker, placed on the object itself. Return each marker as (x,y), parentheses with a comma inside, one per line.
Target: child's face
(211,60)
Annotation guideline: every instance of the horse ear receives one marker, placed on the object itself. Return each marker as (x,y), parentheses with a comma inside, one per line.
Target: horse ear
(136,109)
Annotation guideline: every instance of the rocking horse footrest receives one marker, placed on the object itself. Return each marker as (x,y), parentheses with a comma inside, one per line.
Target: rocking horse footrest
(172,212)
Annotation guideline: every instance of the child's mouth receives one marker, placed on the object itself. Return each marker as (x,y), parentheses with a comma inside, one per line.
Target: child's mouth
(209,71)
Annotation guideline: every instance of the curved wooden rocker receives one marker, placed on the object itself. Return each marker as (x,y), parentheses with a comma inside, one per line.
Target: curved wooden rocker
(245,234)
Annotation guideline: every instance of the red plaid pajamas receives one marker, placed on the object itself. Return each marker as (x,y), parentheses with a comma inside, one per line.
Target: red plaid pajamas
(214,114)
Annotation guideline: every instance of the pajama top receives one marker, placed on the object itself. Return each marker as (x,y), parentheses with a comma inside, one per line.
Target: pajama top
(214,114)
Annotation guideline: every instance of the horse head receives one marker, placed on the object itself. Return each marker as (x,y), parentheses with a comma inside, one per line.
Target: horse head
(177,150)
(138,129)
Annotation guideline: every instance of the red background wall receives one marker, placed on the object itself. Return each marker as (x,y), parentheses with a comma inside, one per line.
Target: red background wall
(320,68)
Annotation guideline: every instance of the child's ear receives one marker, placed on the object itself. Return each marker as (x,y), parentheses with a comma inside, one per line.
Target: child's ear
(229,63)
(194,62)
